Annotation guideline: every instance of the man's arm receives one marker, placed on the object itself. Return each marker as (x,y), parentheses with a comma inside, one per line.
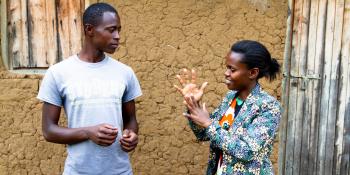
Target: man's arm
(129,116)
(102,134)
(130,139)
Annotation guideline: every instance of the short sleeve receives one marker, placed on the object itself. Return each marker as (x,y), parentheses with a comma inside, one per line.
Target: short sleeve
(133,89)
(48,91)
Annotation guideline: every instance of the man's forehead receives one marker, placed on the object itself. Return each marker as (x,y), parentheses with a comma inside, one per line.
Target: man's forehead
(110,15)
(110,19)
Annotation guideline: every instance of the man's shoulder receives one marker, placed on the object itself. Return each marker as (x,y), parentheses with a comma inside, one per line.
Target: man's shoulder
(120,65)
(62,64)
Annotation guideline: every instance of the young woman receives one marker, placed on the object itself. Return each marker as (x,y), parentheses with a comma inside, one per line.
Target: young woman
(241,130)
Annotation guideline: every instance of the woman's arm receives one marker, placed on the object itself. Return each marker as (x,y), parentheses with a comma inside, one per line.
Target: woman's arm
(201,132)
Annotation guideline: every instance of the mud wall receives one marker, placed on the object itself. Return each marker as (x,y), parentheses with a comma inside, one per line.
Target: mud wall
(159,37)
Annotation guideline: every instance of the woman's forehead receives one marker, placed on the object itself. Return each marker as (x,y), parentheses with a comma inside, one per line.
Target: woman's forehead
(235,56)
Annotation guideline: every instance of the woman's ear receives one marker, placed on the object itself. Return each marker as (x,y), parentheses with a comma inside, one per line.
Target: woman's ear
(89,30)
(253,73)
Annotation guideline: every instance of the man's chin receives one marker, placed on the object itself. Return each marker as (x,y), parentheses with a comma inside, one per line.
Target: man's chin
(110,51)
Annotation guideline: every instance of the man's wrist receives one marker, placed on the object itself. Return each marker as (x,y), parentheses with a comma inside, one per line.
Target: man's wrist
(86,131)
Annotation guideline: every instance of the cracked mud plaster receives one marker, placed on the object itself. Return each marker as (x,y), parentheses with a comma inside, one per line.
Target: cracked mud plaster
(159,37)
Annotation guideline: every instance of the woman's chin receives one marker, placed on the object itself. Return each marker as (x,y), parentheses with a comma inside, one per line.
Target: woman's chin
(229,85)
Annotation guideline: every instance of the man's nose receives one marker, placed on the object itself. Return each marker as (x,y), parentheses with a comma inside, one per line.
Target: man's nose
(116,35)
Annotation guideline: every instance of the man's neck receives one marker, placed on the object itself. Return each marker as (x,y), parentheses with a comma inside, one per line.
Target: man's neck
(90,54)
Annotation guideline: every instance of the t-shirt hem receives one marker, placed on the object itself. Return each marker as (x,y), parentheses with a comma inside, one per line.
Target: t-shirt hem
(49,101)
(132,98)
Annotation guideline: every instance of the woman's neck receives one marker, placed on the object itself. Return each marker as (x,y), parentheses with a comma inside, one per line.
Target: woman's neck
(243,94)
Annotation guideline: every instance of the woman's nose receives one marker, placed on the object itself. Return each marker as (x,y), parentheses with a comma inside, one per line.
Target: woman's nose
(227,72)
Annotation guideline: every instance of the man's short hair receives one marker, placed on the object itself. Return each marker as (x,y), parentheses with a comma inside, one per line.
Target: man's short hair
(94,13)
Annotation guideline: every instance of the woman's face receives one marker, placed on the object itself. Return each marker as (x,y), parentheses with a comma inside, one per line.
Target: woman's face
(237,74)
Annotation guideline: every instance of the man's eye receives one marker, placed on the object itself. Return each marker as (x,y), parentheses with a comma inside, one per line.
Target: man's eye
(111,30)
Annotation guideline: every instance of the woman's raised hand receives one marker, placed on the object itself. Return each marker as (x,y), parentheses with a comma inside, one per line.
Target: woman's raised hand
(189,86)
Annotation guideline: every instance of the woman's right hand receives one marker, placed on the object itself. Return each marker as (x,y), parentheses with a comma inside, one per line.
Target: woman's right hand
(189,86)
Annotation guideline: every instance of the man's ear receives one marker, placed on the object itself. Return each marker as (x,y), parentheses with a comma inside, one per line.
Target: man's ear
(89,30)
(253,73)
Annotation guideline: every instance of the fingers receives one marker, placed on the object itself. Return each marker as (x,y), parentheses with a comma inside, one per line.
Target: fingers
(126,133)
(129,136)
(129,142)
(108,130)
(109,126)
(195,103)
(187,115)
(187,76)
(179,89)
(194,76)
(103,136)
(189,103)
(204,108)
(128,148)
(106,142)
(180,79)
(203,86)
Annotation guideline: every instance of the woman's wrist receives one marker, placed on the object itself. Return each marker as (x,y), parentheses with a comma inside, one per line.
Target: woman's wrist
(207,123)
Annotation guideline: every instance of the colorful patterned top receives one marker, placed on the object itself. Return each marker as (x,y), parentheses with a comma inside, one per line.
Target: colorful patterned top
(226,122)
(247,144)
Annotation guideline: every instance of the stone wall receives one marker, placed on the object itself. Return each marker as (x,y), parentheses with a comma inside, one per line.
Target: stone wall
(159,38)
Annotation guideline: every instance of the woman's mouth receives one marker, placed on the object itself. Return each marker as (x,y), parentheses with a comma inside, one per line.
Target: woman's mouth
(228,81)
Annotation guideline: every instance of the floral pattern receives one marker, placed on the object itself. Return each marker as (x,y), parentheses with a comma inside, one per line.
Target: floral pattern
(247,144)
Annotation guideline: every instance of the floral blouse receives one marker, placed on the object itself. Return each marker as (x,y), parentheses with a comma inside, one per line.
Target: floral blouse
(247,144)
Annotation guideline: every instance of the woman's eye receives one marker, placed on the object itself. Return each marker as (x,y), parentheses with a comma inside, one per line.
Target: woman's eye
(230,68)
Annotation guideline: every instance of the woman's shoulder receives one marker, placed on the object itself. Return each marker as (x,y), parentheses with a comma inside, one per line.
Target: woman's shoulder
(230,93)
(268,100)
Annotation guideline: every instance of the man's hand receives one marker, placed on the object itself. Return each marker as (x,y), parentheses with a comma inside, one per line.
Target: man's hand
(103,134)
(129,140)
(189,86)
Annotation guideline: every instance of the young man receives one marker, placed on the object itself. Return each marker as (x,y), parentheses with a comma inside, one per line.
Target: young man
(97,94)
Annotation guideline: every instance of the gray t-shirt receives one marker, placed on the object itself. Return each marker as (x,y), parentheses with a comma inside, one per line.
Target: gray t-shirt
(91,94)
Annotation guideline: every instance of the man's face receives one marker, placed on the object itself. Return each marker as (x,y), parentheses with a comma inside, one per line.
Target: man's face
(106,33)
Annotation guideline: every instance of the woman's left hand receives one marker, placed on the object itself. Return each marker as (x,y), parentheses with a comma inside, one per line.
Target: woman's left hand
(198,114)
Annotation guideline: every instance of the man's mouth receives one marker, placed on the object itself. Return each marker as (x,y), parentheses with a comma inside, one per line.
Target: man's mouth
(115,45)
